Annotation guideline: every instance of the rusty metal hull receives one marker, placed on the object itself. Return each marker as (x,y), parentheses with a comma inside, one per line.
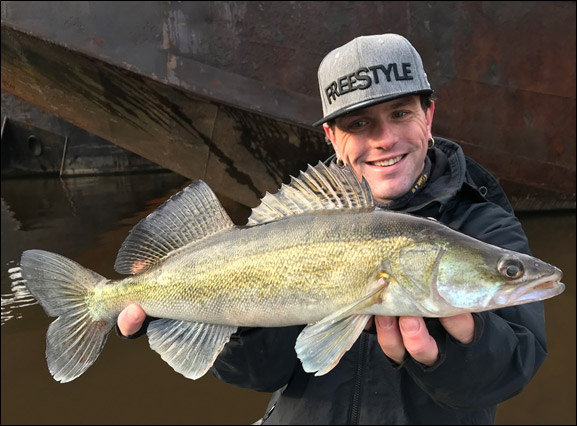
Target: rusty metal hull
(227,91)
(38,144)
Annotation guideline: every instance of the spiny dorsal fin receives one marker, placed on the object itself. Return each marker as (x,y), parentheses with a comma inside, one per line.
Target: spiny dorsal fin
(190,215)
(318,188)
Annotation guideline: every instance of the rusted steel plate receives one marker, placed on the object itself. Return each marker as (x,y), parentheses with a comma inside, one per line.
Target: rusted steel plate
(157,121)
(504,72)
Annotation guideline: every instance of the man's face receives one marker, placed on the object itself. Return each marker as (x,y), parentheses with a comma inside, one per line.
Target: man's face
(386,143)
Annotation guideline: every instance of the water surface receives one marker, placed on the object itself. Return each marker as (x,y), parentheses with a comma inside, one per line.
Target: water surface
(87,219)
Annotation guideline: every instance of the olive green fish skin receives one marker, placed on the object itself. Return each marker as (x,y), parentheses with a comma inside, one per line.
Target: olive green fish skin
(318,253)
(298,271)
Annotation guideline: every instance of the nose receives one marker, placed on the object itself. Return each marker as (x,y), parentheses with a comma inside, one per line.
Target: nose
(383,137)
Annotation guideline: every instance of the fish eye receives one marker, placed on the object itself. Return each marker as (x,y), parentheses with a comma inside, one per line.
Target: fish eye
(511,268)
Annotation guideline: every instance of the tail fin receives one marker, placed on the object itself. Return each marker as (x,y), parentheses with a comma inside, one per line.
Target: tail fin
(61,286)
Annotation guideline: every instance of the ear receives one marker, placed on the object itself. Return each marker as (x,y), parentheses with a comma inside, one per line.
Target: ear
(429,117)
(330,136)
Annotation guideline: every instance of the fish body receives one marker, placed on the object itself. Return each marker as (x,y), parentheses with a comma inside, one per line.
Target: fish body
(317,253)
(298,271)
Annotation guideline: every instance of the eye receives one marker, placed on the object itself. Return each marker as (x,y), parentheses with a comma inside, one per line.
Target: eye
(400,114)
(351,124)
(511,268)
(357,124)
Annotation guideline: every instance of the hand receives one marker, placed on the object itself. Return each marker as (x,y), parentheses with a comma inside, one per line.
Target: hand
(410,334)
(130,319)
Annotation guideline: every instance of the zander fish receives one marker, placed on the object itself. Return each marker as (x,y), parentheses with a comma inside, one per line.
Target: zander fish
(318,252)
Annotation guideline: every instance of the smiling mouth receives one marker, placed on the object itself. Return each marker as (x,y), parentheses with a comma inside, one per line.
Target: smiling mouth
(387,163)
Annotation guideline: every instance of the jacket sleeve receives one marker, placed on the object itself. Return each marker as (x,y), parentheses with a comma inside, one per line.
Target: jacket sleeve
(261,359)
(509,344)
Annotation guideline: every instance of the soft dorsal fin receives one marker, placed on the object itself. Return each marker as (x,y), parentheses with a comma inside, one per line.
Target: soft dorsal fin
(187,216)
(318,188)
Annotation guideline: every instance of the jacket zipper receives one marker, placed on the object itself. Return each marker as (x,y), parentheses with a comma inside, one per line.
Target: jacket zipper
(356,398)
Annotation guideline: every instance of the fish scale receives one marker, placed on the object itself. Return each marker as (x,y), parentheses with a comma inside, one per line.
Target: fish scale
(286,272)
(316,253)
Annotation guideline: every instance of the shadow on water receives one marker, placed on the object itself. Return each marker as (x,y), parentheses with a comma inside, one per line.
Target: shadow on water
(87,219)
(550,396)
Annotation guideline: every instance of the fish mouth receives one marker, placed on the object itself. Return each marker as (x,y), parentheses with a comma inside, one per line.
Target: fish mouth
(543,288)
(387,163)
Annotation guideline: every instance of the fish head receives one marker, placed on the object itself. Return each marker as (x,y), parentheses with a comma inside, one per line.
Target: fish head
(476,276)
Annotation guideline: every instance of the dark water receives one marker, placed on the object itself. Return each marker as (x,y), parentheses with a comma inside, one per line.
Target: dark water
(87,218)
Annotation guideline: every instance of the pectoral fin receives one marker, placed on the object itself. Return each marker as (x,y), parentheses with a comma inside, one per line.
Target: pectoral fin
(188,347)
(320,346)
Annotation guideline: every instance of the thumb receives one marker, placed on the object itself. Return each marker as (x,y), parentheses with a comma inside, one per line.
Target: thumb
(130,319)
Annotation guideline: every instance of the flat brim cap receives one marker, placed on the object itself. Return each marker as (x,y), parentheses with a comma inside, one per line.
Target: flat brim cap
(369,70)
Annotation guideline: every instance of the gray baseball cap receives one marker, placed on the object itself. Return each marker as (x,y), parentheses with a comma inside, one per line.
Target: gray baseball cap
(369,70)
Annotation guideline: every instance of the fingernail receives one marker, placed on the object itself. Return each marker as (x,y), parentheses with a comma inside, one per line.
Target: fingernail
(385,322)
(410,326)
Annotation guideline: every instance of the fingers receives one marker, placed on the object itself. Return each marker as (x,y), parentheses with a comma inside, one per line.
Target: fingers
(418,341)
(410,334)
(406,334)
(389,337)
(461,327)
(130,319)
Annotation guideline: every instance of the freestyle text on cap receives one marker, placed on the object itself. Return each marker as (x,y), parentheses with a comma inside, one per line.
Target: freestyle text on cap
(369,70)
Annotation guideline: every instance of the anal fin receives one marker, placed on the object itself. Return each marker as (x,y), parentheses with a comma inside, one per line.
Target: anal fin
(188,347)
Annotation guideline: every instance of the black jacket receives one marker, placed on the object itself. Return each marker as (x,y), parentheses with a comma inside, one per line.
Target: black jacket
(467,382)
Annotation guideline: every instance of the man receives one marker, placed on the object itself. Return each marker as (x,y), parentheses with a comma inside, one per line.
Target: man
(378,115)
